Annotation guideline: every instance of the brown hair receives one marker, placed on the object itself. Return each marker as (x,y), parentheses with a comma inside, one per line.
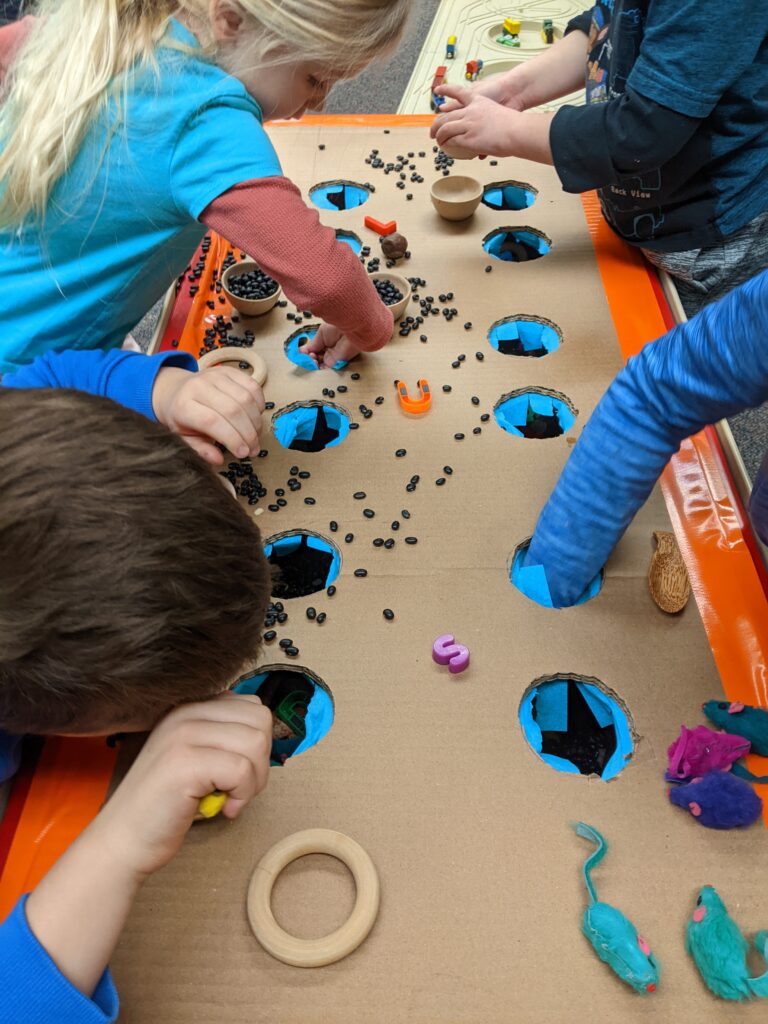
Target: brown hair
(130,581)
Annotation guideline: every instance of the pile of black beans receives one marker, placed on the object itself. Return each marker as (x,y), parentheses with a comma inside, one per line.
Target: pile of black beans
(254,284)
(389,293)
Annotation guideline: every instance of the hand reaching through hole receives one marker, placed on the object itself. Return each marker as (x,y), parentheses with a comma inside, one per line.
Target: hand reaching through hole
(329,346)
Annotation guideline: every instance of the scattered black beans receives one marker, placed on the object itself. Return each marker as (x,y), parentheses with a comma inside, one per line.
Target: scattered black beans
(440,481)
(400,453)
(310,501)
(304,474)
(479,356)
(379,400)
(361,573)
(355,376)
(447,388)
(405,513)
(292,652)
(395,525)
(411,540)
(448,470)
(457,437)
(485,417)
(389,293)
(477,430)
(378,542)
(475,400)
(286,643)
(468,325)
(389,543)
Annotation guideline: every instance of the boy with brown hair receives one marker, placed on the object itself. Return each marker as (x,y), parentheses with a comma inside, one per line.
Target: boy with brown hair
(132,591)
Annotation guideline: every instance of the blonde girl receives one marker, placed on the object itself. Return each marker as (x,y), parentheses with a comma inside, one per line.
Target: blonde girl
(129,127)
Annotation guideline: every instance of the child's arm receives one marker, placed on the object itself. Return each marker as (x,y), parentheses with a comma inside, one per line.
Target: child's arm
(268,219)
(54,948)
(218,405)
(714,366)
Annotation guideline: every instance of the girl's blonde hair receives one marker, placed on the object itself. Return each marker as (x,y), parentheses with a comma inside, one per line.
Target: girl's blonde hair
(73,59)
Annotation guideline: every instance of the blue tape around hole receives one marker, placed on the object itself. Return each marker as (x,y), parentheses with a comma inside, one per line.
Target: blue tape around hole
(531,334)
(515,410)
(349,196)
(351,240)
(531,581)
(319,710)
(299,424)
(301,358)
(552,716)
(493,243)
(508,197)
(292,541)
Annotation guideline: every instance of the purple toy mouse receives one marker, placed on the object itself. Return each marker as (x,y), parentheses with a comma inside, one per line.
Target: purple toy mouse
(719,800)
(700,750)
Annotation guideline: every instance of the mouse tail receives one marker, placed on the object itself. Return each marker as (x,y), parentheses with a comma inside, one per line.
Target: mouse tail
(587,832)
(745,773)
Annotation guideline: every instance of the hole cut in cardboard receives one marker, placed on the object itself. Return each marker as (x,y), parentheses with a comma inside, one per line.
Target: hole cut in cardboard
(311,426)
(301,705)
(294,354)
(535,413)
(354,241)
(339,195)
(509,195)
(531,580)
(305,562)
(577,725)
(517,245)
(525,336)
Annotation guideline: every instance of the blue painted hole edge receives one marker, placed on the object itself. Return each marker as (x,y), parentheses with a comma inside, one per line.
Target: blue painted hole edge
(525,408)
(306,562)
(304,362)
(339,196)
(523,335)
(509,196)
(311,427)
(516,244)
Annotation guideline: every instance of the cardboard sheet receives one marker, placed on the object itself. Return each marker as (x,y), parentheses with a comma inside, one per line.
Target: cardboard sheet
(482,893)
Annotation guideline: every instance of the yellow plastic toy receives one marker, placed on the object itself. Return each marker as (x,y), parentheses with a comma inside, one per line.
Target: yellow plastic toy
(212,804)
(512,26)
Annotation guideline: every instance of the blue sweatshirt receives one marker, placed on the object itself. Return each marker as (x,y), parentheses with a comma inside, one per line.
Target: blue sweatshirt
(32,988)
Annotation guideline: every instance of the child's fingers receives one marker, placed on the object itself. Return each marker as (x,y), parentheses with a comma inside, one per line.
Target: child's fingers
(226,423)
(444,119)
(232,773)
(238,383)
(451,130)
(207,451)
(240,393)
(461,93)
(224,707)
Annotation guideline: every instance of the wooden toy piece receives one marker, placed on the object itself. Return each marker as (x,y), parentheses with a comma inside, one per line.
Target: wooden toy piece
(667,576)
(445,651)
(439,79)
(330,948)
(212,804)
(548,32)
(456,197)
(381,227)
(399,307)
(450,48)
(244,359)
(474,69)
(415,406)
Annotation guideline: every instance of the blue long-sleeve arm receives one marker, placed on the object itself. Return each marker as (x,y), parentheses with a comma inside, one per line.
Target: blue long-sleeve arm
(33,989)
(126,377)
(714,366)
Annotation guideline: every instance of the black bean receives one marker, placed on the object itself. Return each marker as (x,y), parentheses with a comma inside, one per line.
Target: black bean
(359,495)
(331,590)
(310,501)
(440,481)
(458,437)
(477,430)
(321,618)
(304,474)
(455,364)
(281,502)
(333,526)
(292,652)
(388,614)
(468,325)
(405,513)
(368,513)
(311,613)
(479,356)
(282,617)
(286,643)
(475,400)
(378,542)
(361,573)
(355,376)
(485,417)
(400,453)
(294,470)
(447,388)
(395,525)
(448,470)
(349,538)
(269,636)
(380,400)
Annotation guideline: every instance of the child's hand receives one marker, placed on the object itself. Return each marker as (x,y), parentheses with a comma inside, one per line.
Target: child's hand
(497,88)
(330,346)
(221,744)
(221,404)
(478,124)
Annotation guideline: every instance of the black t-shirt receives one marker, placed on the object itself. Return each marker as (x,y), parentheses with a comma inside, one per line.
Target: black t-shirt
(674,134)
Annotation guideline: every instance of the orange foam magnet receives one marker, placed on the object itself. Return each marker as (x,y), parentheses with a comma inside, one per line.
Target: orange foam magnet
(381,229)
(416,406)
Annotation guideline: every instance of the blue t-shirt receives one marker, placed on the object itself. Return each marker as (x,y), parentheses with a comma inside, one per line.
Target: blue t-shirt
(675,130)
(122,223)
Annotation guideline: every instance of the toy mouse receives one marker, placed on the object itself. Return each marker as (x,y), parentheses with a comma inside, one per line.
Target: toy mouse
(719,800)
(700,750)
(746,721)
(614,937)
(719,950)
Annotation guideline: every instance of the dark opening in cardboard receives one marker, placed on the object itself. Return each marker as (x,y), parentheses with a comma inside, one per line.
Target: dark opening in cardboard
(535,413)
(339,195)
(531,580)
(301,359)
(509,195)
(351,239)
(305,562)
(311,426)
(301,705)
(517,245)
(576,725)
(525,336)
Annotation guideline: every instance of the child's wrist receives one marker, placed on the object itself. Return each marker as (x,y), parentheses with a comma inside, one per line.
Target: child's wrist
(167,382)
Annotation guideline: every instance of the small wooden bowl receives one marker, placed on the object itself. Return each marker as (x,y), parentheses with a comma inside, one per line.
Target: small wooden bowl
(249,307)
(401,283)
(456,197)
(458,152)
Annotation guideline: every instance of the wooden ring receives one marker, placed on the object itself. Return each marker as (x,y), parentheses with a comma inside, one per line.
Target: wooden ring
(233,354)
(330,948)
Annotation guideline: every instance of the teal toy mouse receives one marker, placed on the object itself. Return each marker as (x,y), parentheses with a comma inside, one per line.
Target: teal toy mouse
(719,950)
(741,720)
(613,936)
